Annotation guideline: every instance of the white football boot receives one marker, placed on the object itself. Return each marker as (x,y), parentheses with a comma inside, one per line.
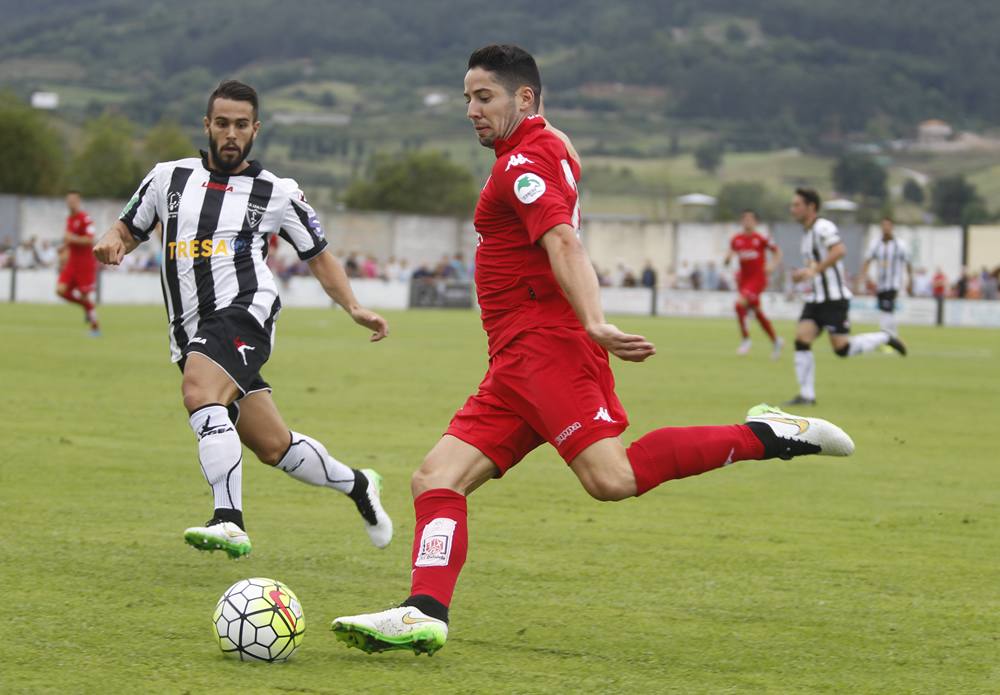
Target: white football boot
(744,348)
(795,435)
(219,535)
(405,627)
(377,522)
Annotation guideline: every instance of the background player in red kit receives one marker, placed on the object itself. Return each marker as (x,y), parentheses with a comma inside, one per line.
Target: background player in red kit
(751,247)
(548,378)
(78,277)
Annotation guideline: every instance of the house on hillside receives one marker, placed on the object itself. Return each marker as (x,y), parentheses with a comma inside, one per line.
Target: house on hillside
(934,132)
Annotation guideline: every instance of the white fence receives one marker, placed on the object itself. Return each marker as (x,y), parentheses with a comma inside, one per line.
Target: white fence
(38,286)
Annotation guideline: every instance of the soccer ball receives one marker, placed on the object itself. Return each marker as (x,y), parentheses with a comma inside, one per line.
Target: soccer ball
(258,619)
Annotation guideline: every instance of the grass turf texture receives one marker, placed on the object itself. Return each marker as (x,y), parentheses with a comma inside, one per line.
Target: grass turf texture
(873,574)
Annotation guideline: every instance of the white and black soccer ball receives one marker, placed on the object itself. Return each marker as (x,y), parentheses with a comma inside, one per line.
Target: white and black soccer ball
(258,619)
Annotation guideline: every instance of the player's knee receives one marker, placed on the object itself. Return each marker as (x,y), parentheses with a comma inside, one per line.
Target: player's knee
(607,487)
(194,396)
(271,450)
(802,346)
(843,350)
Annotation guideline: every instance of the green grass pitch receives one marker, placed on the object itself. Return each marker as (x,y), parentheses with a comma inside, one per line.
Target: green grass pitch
(875,574)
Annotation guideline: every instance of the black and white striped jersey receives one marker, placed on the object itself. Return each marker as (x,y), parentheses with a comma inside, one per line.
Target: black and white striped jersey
(890,258)
(216,229)
(831,284)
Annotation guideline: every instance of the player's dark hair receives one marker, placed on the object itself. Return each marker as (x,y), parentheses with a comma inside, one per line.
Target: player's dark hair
(513,66)
(73,191)
(750,211)
(236,91)
(888,218)
(810,196)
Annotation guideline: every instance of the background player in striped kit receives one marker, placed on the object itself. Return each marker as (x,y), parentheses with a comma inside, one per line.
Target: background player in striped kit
(218,214)
(891,257)
(827,297)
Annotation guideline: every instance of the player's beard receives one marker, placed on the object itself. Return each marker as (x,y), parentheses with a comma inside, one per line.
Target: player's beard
(224,166)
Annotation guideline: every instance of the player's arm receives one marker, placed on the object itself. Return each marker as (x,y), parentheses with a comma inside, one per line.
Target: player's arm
(78,239)
(776,258)
(863,275)
(116,243)
(575,274)
(833,254)
(909,277)
(330,273)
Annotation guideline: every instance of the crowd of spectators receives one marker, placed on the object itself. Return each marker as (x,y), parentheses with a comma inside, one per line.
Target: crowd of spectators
(970,284)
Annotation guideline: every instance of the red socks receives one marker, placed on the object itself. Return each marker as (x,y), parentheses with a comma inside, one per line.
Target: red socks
(765,324)
(440,543)
(678,452)
(741,314)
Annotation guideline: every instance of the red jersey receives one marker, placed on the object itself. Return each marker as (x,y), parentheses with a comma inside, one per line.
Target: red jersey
(80,224)
(752,249)
(531,190)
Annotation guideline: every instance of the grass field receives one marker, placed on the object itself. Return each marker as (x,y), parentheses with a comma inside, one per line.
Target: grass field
(876,574)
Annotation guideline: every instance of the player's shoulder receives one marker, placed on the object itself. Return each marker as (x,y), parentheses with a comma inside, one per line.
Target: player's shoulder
(282,186)
(824,227)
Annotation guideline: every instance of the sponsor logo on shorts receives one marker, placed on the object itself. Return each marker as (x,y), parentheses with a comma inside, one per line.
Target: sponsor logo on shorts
(567,433)
(435,543)
(197,248)
(243,348)
(603,414)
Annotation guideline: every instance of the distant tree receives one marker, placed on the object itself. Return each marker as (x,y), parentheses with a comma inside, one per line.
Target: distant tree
(106,166)
(956,201)
(708,156)
(419,182)
(735,197)
(913,192)
(856,174)
(166,142)
(32,149)
(735,33)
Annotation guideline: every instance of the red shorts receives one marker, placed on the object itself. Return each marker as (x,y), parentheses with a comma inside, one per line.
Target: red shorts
(79,277)
(752,289)
(548,385)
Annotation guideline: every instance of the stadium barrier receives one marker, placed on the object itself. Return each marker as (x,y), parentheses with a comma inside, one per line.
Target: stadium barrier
(38,286)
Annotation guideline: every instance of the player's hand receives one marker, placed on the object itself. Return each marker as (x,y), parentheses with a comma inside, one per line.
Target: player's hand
(372,321)
(803,274)
(631,348)
(110,250)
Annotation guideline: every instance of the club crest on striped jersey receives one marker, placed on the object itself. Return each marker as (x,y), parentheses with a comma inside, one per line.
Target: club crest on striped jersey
(173,203)
(255,213)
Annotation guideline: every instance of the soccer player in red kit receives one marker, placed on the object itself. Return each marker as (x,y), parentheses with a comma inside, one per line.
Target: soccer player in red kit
(78,277)
(548,378)
(751,247)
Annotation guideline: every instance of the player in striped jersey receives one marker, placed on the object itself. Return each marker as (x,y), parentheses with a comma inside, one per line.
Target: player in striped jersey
(890,257)
(827,297)
(218,213)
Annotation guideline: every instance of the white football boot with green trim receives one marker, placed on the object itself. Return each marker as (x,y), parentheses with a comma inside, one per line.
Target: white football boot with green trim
(221,535)
(406,628)
(796,435)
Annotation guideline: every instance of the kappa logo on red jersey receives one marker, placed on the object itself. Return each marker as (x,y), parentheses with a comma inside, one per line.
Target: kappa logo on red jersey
(603,414)
(517,160)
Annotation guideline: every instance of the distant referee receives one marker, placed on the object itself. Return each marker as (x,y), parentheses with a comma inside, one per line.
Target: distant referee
(891,259)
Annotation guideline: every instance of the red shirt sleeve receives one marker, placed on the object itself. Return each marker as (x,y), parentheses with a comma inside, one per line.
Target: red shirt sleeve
(540,192)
